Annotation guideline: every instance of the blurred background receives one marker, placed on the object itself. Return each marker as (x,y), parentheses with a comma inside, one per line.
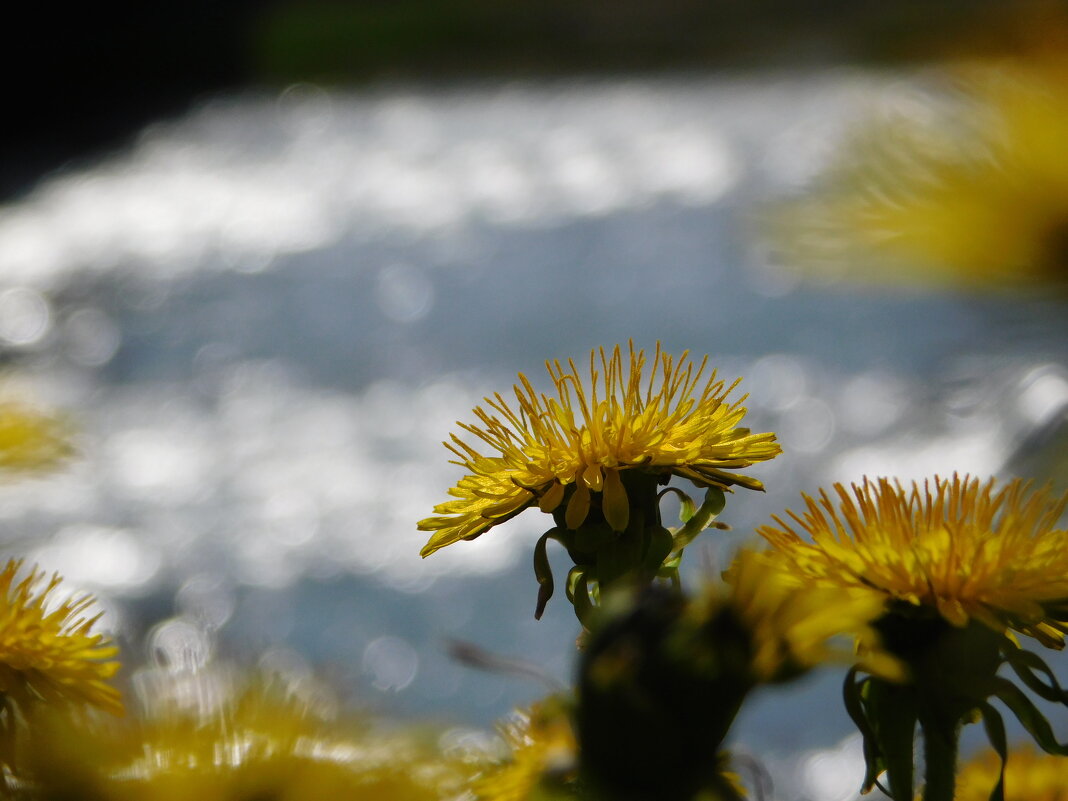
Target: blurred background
(263,255)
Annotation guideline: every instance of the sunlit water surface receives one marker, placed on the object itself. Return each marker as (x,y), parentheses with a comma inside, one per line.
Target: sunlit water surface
(264,318)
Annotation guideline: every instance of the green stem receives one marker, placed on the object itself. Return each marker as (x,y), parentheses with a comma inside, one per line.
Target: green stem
(940,762)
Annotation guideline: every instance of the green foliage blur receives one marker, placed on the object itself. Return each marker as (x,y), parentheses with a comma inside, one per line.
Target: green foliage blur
(346,41)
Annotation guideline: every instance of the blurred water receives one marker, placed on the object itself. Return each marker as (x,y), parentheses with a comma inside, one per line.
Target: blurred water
(266,316)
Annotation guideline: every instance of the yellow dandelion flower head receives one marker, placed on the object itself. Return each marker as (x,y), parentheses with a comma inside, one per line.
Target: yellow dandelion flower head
(963,549)
(793,625)
(970,192)
(30,441)
(48,651)
(542,747)
(674,420)
(258,740)
(1029,776)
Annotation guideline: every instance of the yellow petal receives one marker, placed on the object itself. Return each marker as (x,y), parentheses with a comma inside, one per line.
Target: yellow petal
(614,503)
(578,507)
(953,611)
(593,477)
(551,498)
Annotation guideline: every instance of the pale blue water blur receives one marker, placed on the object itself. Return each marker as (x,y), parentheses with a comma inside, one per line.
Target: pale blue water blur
(267,315)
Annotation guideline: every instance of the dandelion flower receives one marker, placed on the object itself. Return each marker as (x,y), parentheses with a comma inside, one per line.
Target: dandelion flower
(543,753)
(793,626)
(972,192)
(962,549)
(259,740)
(1029,776)
(958,565)
(48,652)
(577,449)
(30,441)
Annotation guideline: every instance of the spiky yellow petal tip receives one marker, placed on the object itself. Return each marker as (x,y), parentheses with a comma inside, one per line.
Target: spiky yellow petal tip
(48,651)
(572,447)
(960,548)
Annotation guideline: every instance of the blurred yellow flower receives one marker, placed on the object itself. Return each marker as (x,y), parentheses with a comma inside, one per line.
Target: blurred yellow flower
(260,742)
(574,446)
(962,549)
(30,441)
(971,192)
(543,757)
(1029,776)
(47,650)
(792,625)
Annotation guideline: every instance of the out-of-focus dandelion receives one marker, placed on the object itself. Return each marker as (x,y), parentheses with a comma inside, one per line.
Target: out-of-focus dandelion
(262,741)
(662,677)
(48,651)
(971,193)
(594,456)
(793,626)
(1029,776)
(31,441)
(958,565)
(542,760)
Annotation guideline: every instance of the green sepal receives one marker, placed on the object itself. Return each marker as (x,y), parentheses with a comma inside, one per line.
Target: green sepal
(669,569)
(714,503)
(658,548)
(588,540)
(1025,664)
(852,692)
(670,564)
(543,571)
(995,732)
(886,715)
(619,557)
(1029,716)
(893,710)
(573,576)
(579,585)
(687,506)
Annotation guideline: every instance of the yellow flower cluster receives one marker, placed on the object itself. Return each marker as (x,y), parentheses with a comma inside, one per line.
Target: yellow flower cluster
(673,421)
(959,547)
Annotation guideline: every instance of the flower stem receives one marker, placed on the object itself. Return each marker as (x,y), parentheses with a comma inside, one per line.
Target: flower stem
(940,761)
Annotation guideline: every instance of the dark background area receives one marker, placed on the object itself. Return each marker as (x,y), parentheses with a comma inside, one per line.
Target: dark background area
(82,81)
